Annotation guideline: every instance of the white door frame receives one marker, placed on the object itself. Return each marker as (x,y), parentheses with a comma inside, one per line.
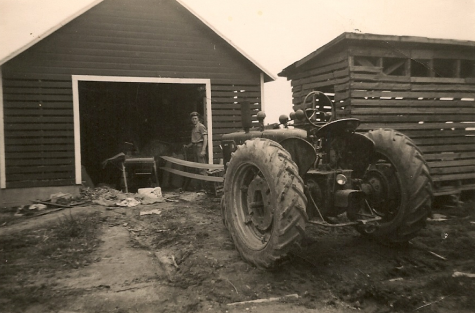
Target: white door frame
(158,80)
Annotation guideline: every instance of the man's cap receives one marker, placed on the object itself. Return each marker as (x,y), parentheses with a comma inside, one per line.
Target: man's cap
(194,114)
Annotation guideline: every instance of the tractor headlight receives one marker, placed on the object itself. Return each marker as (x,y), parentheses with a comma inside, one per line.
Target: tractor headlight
(341,179)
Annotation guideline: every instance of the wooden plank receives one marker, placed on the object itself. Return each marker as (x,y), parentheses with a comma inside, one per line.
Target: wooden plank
(40,162)
(378,78)
(40,183)
(455,189)
(444,140)
(39,148)
(38,112)
(37,97)
(380,86)
(40,176)
(38,126)
(193,164)
(341,64)
(36,83)
(366,69)
(443,87)
(438,80)
(39,154)
(447,164)
(377,52)
(414,134)
(33,90)
(12,170)
(413,103)
(414,110)
(413,118)
(439,178)
(45,105)
(194,176)
(452,170)
(449,156)
(415,126)
(36,133)
(448,148)
(343,73)
(36,141)
(411,94)
(38,119)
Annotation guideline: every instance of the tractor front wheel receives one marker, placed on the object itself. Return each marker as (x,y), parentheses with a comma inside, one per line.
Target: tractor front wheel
(264,202)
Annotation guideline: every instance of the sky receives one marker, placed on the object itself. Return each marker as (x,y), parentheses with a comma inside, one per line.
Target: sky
(274,33)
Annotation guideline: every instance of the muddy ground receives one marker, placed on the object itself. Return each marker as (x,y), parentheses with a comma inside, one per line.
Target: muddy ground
(180,258)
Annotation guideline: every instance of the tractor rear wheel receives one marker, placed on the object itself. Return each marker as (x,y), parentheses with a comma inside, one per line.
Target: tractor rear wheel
(264,202)
(400,187)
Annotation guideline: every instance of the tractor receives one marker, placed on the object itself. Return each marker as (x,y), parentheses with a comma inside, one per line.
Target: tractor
(312,168)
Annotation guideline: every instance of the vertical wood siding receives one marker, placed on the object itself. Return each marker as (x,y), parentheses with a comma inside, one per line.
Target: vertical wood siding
(116,38)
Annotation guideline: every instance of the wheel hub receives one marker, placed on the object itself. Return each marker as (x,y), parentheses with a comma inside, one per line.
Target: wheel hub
(259,204)
(379,191)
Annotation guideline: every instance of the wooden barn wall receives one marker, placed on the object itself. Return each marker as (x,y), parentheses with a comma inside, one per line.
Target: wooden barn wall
(327,74)
(116,38)
(437,112)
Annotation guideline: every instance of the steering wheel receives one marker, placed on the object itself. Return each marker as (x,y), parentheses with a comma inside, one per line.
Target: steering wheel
(316,115)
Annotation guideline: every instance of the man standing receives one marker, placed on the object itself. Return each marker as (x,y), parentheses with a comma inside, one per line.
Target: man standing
(199,139)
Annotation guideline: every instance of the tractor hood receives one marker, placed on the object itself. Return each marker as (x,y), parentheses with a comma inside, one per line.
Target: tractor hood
(273,134)
(292,140)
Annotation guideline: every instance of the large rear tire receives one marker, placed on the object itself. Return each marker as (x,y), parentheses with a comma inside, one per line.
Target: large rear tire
(264,202)
(401,187)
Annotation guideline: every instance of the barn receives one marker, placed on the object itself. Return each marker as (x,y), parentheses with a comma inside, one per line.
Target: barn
(117,72)
(422,87)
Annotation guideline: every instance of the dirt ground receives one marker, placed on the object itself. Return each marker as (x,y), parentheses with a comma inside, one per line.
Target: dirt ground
(180,258)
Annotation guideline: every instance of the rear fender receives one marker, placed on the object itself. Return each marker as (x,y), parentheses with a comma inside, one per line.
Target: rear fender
(302,152)
(358,153)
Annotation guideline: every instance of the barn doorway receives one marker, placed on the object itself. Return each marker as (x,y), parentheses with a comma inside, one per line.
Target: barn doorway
(141,118)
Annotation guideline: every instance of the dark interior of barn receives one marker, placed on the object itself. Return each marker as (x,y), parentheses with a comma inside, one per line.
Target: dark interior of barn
(137,119)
